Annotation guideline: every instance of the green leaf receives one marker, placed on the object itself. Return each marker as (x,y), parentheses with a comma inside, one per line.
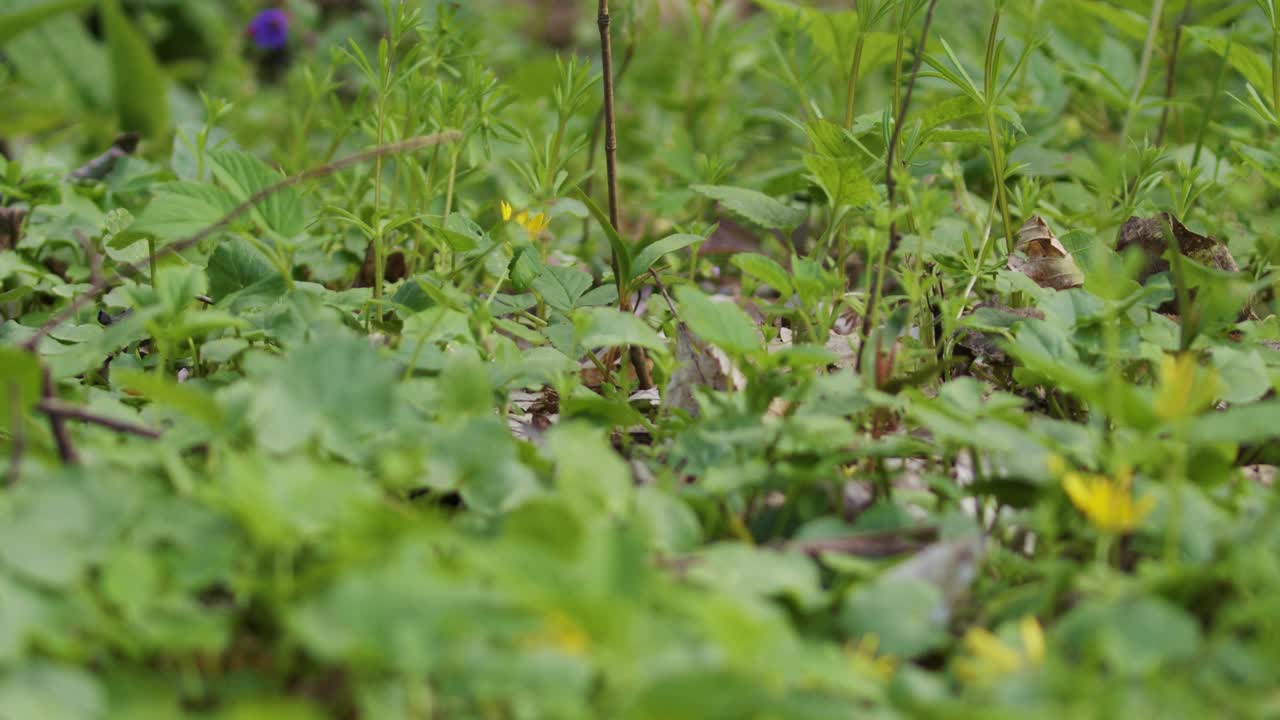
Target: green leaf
(243,175)
(754,206)
(1247,61)
(140,86)
(163,391)
(182,211)
(900,613)
(621,253)
(742,570)
(588,470)
(1245,424)
(651,252)
(236,265)
(335,389)
(607,327)
(20,384)
(765,270)
(720,323)
(15,22)
(562,287)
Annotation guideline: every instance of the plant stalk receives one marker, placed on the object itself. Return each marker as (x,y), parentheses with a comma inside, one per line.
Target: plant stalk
(890,186)
(611,177)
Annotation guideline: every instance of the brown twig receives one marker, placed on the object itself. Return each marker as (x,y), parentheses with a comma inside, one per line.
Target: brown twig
(1171,79)
(643,376)
(97,288)
(57,408)
(57,423)
(589,184)
(890,186)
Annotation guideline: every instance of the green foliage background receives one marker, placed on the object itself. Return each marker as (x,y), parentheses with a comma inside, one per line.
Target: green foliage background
(403,470)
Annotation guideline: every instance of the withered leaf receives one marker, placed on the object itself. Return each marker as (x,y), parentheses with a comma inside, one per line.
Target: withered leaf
(1042,258)
(1148,234)
(11,226)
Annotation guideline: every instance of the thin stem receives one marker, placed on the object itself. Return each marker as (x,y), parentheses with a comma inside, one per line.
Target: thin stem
(101,285)
(1213,100)
(57,424)
(890,185)
(852,92)
(1144,66)
(990,82)
(57,408)
(611,176)
(1171,74)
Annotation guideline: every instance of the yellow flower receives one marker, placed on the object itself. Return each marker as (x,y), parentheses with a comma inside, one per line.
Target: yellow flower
(1107,502)
(1185,387)
(864,658)
(561,632)
(990,658)
(535,224)
(506,210)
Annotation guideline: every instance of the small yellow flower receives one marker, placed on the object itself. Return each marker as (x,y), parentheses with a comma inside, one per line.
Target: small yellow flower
(1185,387)
(506,210)
(561,632)
(1107,502)
(864,657)
(990,658)
(535,224)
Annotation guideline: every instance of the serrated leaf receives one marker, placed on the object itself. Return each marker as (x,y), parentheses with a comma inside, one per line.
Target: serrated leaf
(561,287)
(754,206)
(243,175)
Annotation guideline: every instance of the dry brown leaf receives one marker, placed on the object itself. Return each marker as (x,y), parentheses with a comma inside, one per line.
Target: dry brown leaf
(1042,258)
(697,365)
(1148,234)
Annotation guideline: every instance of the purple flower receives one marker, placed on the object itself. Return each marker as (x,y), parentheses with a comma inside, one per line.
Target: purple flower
(269,29)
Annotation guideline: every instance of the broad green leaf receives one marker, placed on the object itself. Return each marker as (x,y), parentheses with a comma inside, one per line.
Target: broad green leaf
(900,613)
(163,391)
(842,181)
(1244,424)
(140,86)
(719,323)
(562,287)
(607,327)
(184,210)
(754,206)
(765,270)
(15,22)
(650,253)
(742,570)
(236,265)
(243,175)
(588,470)
(19,384)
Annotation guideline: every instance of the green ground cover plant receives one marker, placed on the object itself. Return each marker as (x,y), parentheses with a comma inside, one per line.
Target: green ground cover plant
(705,359)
